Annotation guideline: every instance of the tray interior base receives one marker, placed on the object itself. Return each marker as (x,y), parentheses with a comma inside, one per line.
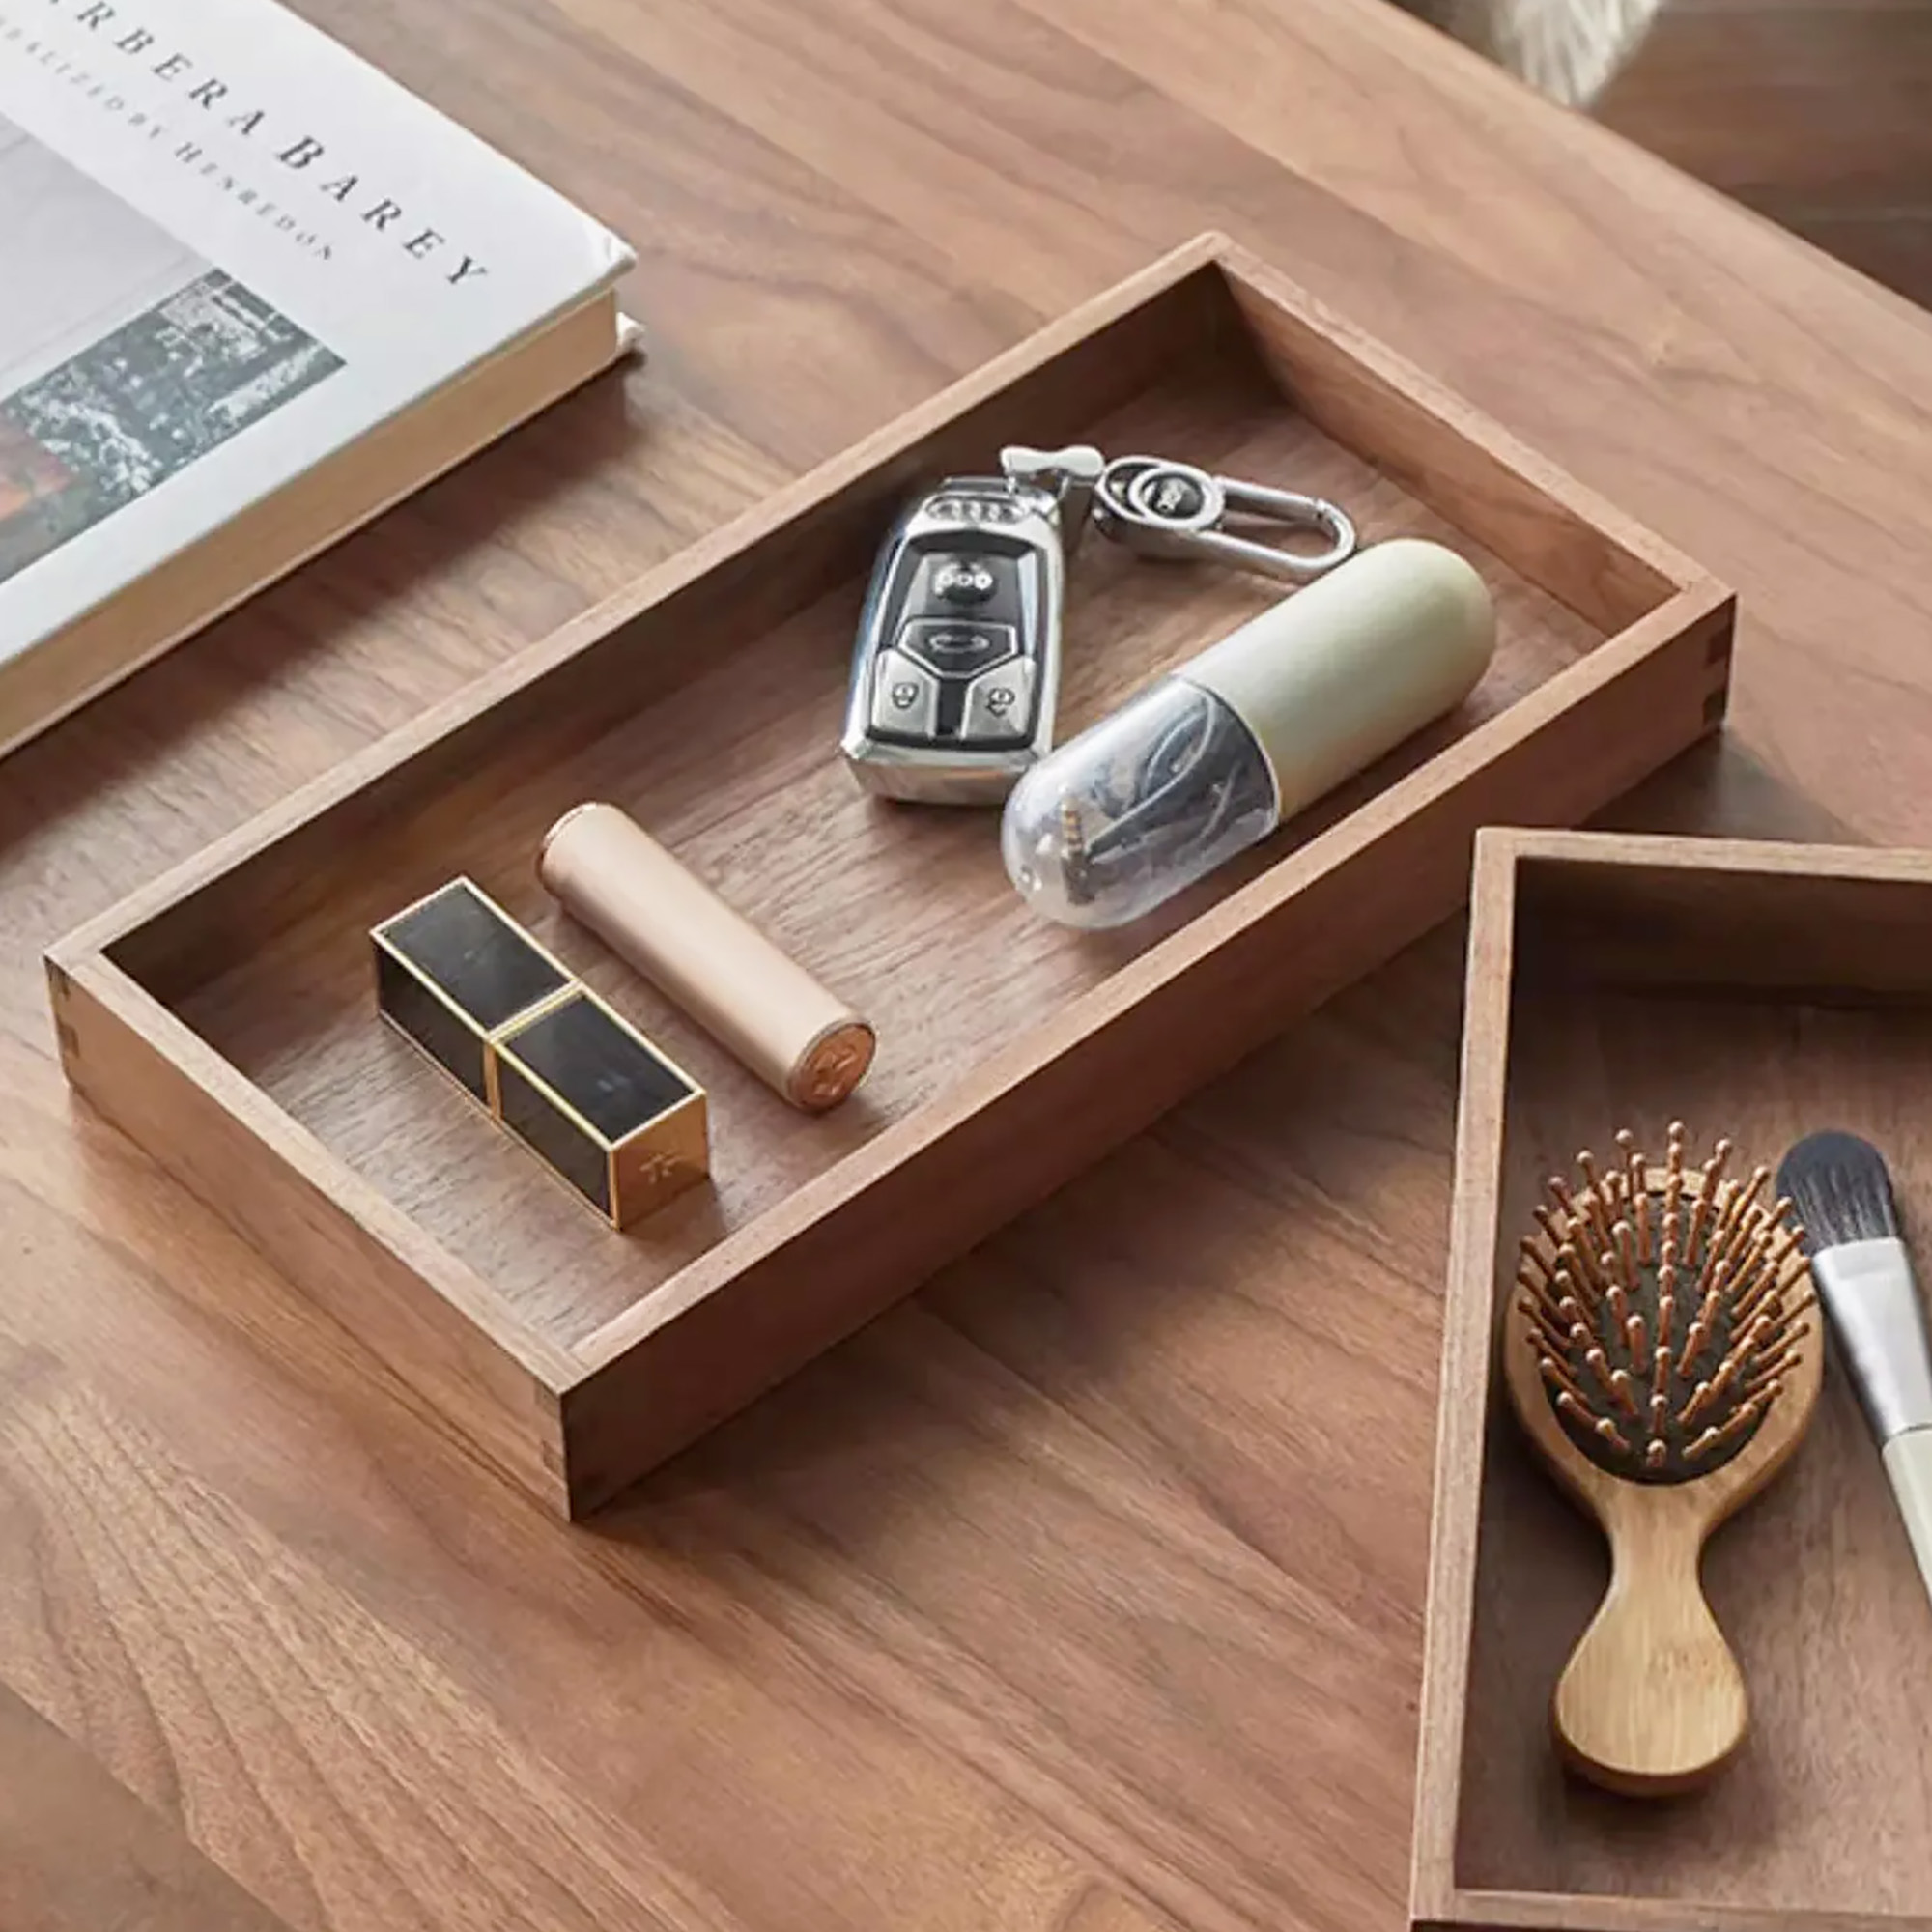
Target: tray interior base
(730,760)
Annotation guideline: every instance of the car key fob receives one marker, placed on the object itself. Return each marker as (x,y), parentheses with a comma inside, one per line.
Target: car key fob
(957,668)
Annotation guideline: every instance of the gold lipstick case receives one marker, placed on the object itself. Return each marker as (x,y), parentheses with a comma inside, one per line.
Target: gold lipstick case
(587,1093)
(454,968)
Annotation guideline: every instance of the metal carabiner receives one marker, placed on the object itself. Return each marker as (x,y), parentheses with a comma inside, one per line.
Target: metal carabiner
(1161,507)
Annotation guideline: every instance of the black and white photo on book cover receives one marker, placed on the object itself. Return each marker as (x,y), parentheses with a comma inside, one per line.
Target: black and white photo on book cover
(125,357)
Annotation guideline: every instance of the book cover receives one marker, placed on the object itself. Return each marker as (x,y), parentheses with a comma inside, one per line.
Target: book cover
(228,248)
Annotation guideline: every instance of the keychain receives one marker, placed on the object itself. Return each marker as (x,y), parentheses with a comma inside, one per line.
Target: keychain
(956,667)
(1159,507)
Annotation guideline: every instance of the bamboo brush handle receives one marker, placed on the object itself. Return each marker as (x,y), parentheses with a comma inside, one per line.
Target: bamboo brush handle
(1652,1700)
(1908,1463)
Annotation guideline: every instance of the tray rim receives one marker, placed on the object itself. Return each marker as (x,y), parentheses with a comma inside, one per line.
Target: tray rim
(1689,601)
(1436,1898)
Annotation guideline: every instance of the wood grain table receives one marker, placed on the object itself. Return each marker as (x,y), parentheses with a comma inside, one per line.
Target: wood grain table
(1086,1590)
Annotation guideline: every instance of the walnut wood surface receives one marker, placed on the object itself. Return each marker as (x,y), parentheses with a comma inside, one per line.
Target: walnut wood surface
(1823,1811)
(79,1853)
(1086,1589)
(1815,112)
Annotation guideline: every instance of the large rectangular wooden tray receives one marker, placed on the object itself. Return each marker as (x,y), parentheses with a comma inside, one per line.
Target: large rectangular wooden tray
(1760,992)
(224,1016)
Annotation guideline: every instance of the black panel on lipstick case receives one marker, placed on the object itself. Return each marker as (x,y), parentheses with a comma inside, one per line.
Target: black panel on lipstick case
(598,1067)
(486,965)
(543,1126)
(445,1036)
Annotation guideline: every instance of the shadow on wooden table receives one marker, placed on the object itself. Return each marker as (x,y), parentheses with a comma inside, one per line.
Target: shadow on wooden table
(1720,790)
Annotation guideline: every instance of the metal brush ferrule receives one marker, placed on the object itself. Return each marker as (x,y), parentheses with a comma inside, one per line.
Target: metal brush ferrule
(1873,1302)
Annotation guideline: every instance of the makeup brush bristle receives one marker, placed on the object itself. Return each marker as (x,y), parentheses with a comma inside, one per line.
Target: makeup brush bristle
(1840,1189)
(1665,1307)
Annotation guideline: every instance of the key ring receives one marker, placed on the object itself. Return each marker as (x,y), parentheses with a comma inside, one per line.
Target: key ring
(1161,507)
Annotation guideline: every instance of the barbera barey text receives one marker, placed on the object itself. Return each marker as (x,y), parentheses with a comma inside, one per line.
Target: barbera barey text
(324,172)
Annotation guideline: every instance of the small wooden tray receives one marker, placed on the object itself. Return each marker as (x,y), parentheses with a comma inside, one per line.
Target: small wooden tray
(224,1016)
(1759,991)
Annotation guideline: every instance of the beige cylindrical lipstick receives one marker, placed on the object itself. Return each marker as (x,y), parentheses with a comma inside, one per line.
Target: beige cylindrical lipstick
(653,912)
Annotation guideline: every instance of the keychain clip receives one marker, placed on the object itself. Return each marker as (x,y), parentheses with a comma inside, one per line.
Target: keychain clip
(1161,507)
(1067,475)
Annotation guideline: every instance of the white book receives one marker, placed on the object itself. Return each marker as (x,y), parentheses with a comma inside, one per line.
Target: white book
(251,291)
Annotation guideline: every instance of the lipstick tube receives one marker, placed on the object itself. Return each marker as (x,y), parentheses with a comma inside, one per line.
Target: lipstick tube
(799,1039)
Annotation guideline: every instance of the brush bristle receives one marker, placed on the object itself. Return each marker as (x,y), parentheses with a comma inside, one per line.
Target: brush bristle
(1840,1189)
(1664,1308)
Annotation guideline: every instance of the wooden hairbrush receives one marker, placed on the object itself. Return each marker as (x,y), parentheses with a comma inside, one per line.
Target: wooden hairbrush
(1655,1349)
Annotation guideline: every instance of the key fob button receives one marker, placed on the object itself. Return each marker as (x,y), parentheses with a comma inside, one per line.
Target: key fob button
(905,698)
(999,703)
(963,580)
(957,651)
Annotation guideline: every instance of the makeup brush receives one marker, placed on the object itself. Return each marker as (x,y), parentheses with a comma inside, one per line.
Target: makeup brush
(1842,1192)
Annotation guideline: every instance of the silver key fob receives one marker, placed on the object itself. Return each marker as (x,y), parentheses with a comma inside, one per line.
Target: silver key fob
(957,668)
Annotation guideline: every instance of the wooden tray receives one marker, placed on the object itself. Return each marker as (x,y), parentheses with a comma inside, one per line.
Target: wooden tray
(224,1016)
(1760,991)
